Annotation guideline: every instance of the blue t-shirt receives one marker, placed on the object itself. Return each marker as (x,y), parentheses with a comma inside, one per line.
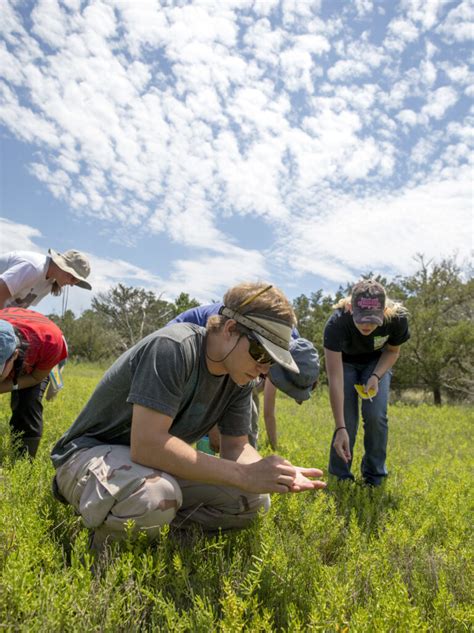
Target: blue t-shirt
(201,314)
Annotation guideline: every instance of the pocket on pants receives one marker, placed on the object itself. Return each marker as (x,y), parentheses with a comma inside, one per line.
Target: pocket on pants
(116,472)
(96,479)
(111,477)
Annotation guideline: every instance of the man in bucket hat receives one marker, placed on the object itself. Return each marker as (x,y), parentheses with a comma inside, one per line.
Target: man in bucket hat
(296,385)
(128,455)
(26,277)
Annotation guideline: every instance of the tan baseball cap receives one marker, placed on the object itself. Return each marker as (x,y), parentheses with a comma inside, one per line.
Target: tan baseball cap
(75,263)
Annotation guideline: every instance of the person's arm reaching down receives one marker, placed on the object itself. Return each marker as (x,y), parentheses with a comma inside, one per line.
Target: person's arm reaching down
(335,375)
(30,380)
(387,360)
(153,446)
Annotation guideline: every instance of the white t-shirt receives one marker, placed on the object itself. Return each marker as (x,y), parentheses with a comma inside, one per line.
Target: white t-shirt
(24,273)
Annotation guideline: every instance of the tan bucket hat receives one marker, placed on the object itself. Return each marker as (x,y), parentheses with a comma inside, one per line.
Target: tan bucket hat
(75,263)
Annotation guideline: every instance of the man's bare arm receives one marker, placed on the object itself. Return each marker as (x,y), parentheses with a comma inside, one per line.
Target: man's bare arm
(30,380)
(238,449)
(152,445)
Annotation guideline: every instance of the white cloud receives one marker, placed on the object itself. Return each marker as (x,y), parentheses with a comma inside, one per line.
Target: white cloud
(17,237)
(211,275)
(422,151)
(162,119)
(364,7)
(459,24)
(439,101)
(425,12)
(458,74)
(296,66)
(49,23)
(347,69)
(407,117)
(382,233)
(404,29)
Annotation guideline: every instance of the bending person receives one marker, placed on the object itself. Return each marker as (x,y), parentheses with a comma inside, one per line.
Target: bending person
(30,346)
(128,455)
(361,344)
(297,386)
(26,277)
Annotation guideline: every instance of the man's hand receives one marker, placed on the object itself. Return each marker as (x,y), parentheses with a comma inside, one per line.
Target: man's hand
(302,483)
(275,474)
(341,445)
(270,474)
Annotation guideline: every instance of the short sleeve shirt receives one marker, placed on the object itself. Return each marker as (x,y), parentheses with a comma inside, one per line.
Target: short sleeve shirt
(46,346)
(24,274)
(341,335)
(167,372)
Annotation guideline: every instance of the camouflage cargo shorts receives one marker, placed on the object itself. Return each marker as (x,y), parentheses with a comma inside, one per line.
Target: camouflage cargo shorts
(108,490)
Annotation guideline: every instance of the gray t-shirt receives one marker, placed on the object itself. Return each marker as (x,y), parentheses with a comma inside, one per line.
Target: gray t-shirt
(166,371)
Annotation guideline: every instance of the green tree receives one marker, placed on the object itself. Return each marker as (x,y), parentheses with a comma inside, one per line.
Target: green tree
(438,355)
(312,313)
(88,337)
(93,340)
(132,313)
(183,302)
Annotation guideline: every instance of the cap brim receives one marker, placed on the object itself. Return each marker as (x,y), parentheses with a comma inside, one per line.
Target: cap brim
(279,355)
(280,379)
(83,284)
(368,317)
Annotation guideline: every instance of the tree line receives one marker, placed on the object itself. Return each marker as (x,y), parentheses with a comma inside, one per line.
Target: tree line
(437,358)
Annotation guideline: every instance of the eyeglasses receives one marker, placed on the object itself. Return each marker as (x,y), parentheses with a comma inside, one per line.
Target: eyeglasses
(258,352)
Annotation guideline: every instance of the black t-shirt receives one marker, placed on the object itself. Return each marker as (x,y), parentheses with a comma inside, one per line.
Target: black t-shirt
(341,335)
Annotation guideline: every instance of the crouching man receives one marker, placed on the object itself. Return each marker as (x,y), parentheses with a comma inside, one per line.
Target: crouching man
(128,455)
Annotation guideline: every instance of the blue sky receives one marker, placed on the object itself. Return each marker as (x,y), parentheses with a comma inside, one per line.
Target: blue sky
(186,146)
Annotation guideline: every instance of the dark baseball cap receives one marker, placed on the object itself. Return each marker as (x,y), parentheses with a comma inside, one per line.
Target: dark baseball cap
(368,302)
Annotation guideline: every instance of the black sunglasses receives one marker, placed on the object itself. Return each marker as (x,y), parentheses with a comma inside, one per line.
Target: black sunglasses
(258,352)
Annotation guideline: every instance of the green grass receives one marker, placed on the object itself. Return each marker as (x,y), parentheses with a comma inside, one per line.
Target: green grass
(349,559)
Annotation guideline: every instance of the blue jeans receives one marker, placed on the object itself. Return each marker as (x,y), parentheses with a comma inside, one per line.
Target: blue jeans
(374,416)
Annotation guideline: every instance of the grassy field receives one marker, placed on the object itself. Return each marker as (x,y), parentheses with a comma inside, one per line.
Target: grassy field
(349,559)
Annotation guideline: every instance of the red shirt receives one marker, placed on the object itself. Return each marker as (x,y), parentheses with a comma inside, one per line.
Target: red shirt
(46,344)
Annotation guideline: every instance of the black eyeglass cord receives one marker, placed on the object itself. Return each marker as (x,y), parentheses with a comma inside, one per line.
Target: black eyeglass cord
(228,353)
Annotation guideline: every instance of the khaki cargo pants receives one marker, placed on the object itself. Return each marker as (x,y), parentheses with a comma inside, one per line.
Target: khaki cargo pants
(108,490)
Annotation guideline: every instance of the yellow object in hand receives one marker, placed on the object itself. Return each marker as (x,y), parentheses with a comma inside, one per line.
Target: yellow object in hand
(365,396)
